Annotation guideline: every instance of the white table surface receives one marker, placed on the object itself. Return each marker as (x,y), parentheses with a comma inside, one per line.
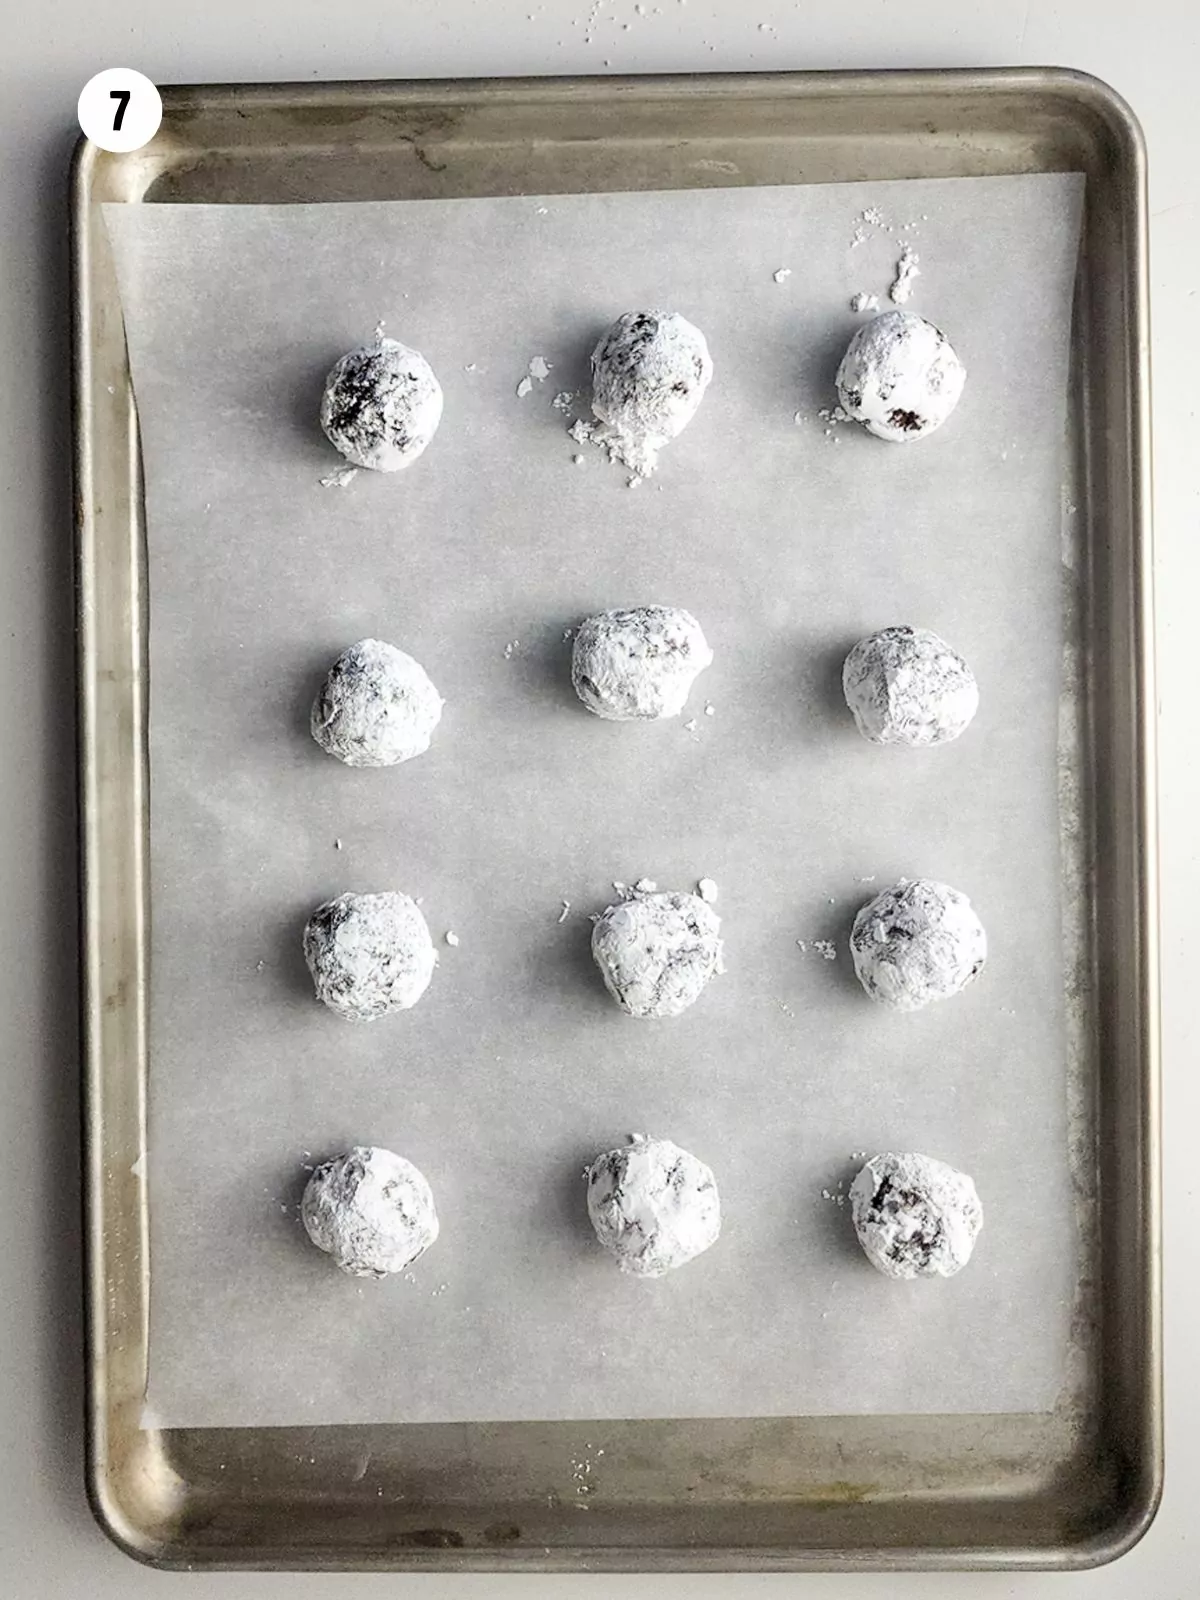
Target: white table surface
(1148,49)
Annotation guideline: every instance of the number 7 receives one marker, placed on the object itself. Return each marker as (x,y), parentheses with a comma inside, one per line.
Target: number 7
(123,95)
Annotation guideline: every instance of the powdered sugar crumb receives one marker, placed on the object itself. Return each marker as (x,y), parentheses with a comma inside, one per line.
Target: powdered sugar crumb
(524,387)
(907,271)
(864,302)
(707,890)
(782,274)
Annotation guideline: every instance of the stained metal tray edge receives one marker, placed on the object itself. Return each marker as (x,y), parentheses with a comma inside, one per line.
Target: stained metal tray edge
(138,1497)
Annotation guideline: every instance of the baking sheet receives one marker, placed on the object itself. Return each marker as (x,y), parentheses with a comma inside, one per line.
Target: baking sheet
(515,1069)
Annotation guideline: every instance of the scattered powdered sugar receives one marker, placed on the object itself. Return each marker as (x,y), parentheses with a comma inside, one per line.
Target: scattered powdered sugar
(337,479)
(907,271)
(581,1471)
(511,649)
(826,949)
(538,370)
(872,217)
(833,417)
(563,400)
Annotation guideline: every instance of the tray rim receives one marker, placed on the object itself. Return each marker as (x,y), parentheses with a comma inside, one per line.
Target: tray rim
(111,1501)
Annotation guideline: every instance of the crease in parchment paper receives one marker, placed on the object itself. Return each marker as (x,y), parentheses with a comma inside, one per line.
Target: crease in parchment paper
(515,1069)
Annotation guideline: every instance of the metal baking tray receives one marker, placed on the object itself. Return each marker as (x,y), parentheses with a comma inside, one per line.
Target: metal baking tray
(1069,1488)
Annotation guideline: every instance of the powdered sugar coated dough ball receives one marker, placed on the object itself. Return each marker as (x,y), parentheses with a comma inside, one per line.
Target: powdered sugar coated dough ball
(370,1210)
(640,664)
(917,942)
(915,1217)
(657,951)
(907,686)
(381,406)
(649,373)
(900,377)
(653,1206)
(377,707)
(369,954)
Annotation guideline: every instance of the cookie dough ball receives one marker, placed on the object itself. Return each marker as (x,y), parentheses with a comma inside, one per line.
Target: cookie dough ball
(369,954)
(372,1211)
(381,406)
(638,665)
(917,942)
(915,1217)
(900,377)
(377,707)
(649,374)
(653,1205)
(657,951)
(907,686)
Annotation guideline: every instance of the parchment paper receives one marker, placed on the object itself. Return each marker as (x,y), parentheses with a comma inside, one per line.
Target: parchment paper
(516,1069)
